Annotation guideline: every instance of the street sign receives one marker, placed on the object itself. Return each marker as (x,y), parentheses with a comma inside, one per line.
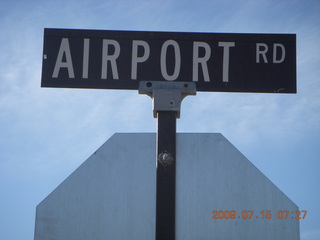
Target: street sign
(223,62)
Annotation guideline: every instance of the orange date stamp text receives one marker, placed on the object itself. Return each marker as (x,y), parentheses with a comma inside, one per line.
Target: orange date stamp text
(265,214)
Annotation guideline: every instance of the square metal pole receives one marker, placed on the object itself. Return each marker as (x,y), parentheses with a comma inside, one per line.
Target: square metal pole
(166,176)
(167,98)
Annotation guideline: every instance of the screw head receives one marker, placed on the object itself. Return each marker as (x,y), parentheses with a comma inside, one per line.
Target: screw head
(171,103)
(165,159)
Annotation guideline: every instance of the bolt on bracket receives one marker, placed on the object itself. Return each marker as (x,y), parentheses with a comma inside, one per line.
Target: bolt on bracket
(165,159)
(167,96)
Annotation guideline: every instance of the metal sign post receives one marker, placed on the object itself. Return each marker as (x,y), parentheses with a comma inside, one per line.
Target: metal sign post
(167,99)
(166,176)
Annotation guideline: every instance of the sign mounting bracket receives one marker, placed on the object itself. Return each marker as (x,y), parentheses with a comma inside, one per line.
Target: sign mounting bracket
(167,96)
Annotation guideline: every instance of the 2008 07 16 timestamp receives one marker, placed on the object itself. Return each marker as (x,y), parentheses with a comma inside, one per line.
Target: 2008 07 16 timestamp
(265,214)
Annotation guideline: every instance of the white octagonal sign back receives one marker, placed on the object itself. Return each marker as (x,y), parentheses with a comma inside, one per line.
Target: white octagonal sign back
(220,195)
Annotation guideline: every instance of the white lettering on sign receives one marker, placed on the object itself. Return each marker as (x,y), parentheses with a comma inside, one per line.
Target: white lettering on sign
(261,52)
(275,53)
(262,49)
(85,61)
(163,57)
(63,50)
(201,54)
(226,46)
(200,60)
(136,59)
(110,58)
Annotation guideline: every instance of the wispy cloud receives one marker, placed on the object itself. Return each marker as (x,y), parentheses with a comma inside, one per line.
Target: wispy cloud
(311,234)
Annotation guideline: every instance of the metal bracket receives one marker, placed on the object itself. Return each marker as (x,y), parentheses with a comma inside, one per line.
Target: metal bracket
(167,96)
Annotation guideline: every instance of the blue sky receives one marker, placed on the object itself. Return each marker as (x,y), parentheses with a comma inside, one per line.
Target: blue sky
(45,134)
